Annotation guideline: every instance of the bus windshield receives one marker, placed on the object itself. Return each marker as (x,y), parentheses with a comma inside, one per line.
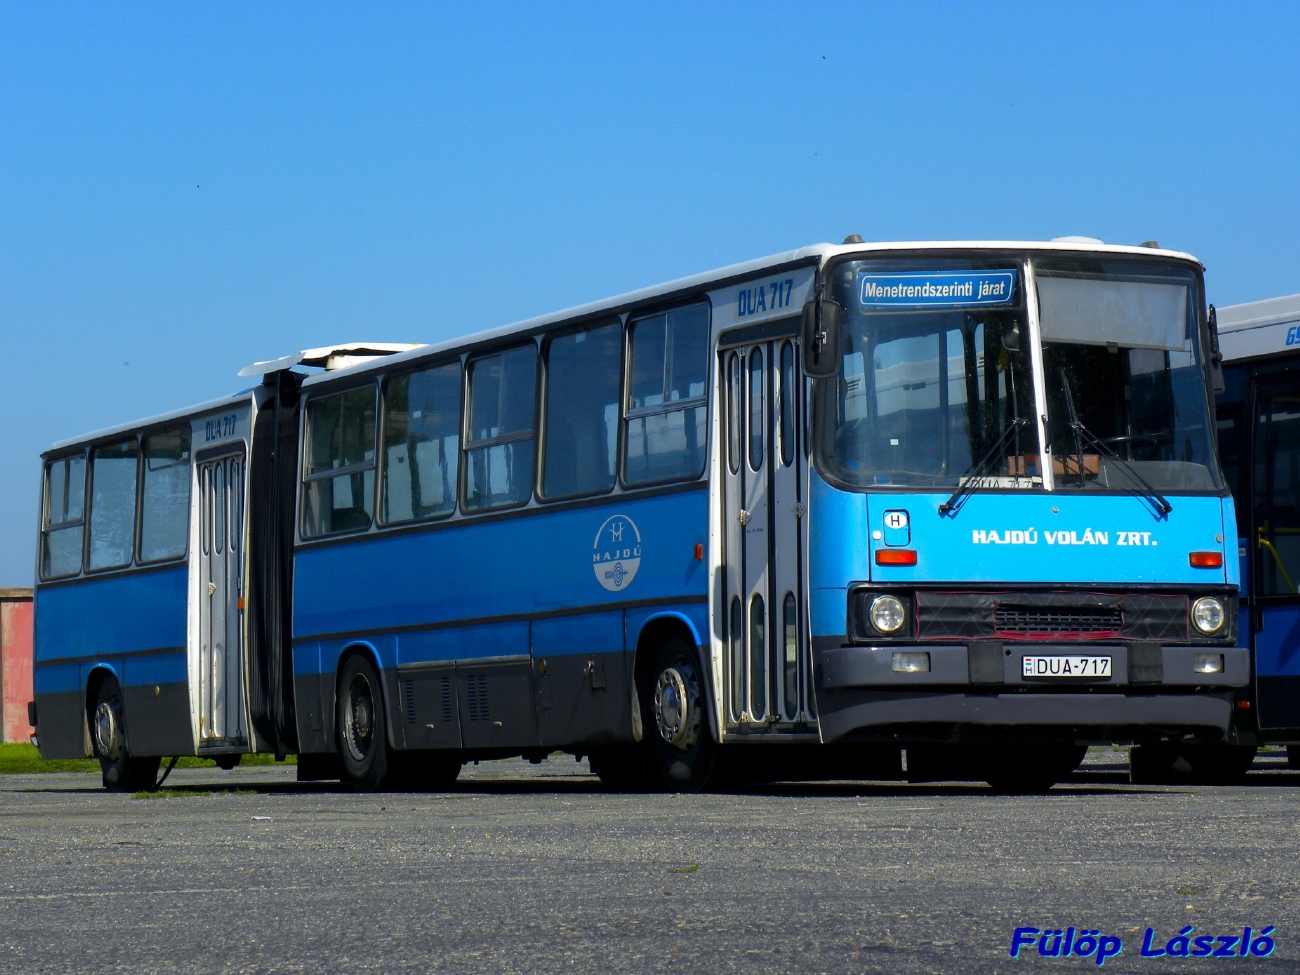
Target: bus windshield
(931,379)
(1121,340)
(937,370)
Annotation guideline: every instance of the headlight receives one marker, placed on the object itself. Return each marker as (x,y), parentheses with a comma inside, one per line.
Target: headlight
(1208,614)
(887,614)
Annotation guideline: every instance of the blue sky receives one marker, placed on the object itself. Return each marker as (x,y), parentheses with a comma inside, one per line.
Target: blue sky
(187,188)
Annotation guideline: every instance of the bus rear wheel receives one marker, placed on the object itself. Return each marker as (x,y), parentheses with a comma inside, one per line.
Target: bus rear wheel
(682,752)
(360,725)
(121,771)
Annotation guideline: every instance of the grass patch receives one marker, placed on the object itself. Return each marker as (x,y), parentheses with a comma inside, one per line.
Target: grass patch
(193,761)
(185,793)
(22,758)
(691,869)
(1187,892)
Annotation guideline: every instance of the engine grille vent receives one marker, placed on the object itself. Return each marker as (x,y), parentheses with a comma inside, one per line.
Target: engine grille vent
(1098,621)
(476,698)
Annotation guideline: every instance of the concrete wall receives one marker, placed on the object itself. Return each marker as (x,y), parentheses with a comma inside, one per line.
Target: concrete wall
(15,663)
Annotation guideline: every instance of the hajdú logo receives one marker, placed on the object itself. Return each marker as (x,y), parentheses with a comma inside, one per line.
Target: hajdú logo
(616,553)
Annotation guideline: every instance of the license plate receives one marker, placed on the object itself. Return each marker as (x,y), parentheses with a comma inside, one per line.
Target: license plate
(1061,666)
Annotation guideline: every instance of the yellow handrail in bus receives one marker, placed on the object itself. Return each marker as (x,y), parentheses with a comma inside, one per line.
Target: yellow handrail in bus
(1266,544)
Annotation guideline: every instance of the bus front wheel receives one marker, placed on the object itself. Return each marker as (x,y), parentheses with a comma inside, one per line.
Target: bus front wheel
(360,725)
(1031,769)
(682,750)
(121,771)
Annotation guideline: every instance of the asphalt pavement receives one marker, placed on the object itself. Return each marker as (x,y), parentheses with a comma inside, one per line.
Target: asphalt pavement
(534,869)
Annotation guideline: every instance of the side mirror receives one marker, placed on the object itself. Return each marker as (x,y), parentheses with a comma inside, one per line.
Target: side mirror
(821,338)
(1216,356)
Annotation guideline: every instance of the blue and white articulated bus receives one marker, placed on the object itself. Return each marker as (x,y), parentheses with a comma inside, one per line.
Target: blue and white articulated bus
(1259,439)
(790,517)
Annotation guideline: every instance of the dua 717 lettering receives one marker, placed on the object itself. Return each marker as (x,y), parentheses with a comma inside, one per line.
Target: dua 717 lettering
(221,427)
(772,296)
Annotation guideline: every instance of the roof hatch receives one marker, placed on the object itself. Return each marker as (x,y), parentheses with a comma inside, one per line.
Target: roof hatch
(331,357)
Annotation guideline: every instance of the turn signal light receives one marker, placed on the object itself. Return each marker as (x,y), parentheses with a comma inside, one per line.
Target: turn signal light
(895,556)
(1206,560)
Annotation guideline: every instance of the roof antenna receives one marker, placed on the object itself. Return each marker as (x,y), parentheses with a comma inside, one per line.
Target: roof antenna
(853,239)
(1150,243)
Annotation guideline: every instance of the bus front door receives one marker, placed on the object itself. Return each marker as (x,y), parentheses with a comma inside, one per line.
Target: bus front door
(220,678)
(763,517)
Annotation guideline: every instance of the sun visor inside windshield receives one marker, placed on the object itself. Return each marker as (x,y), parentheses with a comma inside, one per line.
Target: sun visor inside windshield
(1134,314)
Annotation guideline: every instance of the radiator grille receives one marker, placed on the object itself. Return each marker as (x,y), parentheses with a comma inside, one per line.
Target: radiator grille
(1058,619)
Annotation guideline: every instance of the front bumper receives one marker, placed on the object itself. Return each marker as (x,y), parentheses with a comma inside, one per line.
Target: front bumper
(1001,664)
(979,689)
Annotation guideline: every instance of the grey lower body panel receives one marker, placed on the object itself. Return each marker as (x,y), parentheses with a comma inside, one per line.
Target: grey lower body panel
(158,719)
(315,726)
(562,701)
(584,699)
(61,724)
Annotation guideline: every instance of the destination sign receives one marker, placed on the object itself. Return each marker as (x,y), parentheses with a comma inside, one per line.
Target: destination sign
(936,289)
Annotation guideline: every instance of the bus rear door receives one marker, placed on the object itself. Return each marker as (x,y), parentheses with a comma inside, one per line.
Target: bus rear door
(220,677)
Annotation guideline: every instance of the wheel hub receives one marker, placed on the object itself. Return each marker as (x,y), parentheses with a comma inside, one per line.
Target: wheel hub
(677,706)
(108,730)
(360,717)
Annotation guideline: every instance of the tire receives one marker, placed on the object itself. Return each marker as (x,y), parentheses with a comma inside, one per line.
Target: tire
(621,768)
(1167,763)
(120,770)
(1030,769)
(683,755)
(361,726)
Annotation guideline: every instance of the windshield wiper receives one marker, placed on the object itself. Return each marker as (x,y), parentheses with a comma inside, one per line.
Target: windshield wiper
(1082,433)
(1075,426)
(967,483)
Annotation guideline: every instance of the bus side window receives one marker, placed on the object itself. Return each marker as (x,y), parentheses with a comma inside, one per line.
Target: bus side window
(499,448)
(421,444)
(65,501)
(165,495)
(666,401)
(340,468)
(1277,491)
(112,505)
(582,385)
